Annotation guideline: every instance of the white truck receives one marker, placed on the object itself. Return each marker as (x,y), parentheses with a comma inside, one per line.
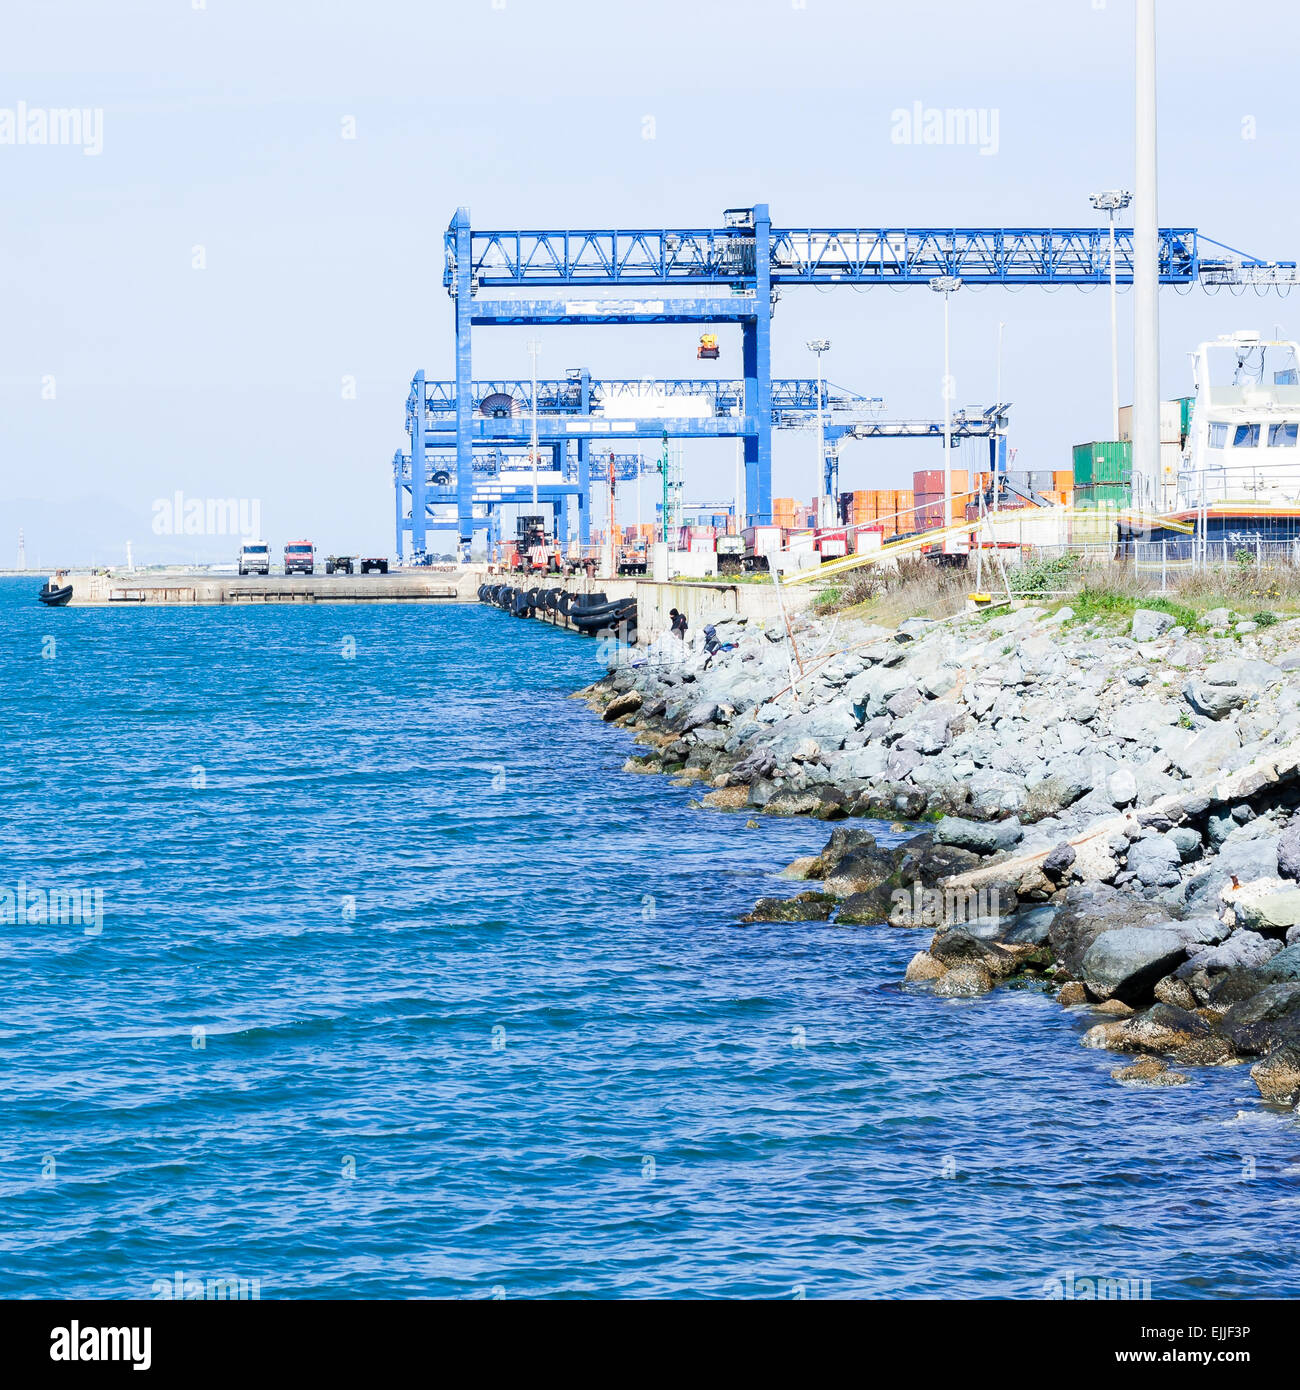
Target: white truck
(255,558)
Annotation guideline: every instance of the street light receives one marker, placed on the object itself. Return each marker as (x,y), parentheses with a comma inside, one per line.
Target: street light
(534,347)
(1112,201)
(946,285)
(819,346)
(995,464)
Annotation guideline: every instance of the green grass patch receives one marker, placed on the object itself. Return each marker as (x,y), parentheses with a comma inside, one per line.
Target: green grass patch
(828,600)
(1104,607)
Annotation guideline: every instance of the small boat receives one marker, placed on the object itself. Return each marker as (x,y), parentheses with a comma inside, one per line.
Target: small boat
(55,595)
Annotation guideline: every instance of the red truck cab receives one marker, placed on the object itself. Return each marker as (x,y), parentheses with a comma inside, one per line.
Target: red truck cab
(299,557)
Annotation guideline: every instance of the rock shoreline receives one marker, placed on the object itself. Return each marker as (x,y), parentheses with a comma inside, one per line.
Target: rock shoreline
(1116,816)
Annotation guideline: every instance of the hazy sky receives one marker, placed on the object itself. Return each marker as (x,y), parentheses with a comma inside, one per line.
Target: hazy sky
(126,373)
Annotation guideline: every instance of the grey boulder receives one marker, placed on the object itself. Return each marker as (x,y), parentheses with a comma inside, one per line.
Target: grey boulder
(1154,862)
(1149,623)
(1126,963)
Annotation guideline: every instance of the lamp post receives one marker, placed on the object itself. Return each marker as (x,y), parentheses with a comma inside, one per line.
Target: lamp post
(1111,202)
(534,347)
(663,469)
(946,285)
(995,467)
(819,346)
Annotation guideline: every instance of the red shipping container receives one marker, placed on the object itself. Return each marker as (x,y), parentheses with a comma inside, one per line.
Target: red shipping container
(931,480)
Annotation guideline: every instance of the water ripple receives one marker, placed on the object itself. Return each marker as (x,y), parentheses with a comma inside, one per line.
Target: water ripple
(403,989)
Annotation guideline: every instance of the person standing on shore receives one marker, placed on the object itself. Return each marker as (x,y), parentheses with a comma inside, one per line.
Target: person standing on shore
(678,623)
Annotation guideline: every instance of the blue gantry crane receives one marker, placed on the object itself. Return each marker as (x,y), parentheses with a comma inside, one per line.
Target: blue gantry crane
(967,423)
(579,418)
(736,272)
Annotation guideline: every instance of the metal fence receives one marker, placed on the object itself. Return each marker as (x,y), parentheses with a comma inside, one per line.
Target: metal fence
(1162,564)
(1201,553)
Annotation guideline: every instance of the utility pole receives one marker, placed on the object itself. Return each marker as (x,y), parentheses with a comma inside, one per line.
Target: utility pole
(947,285)
(1111,202)
(1146,268)
(819,346)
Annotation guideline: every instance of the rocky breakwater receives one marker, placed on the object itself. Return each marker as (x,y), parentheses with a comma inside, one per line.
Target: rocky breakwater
(1117,816)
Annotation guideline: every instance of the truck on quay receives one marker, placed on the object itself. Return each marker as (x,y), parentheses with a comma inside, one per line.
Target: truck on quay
(350,564)
(760,543)
(751,550)
(254,558)
(634,559)
(299,557)
(832,542)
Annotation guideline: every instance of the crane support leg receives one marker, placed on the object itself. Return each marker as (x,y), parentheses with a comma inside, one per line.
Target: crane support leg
(464,378)
(418,510)
(756,353)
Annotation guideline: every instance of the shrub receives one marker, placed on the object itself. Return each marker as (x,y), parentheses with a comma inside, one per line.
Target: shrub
(1047,575)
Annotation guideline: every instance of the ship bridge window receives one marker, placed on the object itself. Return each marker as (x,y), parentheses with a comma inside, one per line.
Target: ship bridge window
(1245,437)
(1218,435)
(1283,435)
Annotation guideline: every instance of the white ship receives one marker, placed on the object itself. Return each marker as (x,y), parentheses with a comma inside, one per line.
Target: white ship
(1239,479)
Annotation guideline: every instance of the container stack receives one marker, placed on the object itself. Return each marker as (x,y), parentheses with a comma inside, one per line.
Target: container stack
(1175,421)
(1175,425)
(886,508)
(783,512)
(1103,474)
(927,487)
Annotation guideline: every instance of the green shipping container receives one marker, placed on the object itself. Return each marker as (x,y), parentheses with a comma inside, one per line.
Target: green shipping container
(1103,461)
(1092,496)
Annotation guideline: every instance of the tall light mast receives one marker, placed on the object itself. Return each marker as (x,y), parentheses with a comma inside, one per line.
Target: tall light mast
(819,346)
(534,347)
(1146,268)
(1111,202)
(947,285)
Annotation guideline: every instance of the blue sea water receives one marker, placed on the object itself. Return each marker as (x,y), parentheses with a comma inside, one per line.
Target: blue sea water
(404,989)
